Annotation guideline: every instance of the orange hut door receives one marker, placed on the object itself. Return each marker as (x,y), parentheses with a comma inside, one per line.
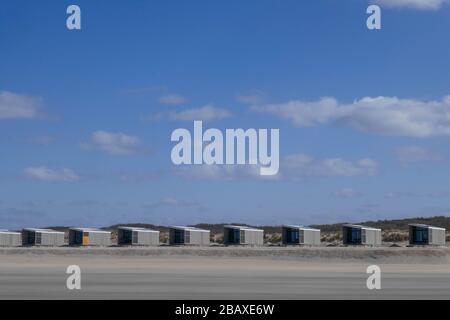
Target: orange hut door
(85,239)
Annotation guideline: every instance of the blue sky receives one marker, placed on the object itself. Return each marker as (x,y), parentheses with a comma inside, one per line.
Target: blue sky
(86,116)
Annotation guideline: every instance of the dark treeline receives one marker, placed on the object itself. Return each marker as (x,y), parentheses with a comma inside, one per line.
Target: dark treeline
(385,225)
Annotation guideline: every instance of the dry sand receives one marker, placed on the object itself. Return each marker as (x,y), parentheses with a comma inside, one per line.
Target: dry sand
(327,254)
(225,273)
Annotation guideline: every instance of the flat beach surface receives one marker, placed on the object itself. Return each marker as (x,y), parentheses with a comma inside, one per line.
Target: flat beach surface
(225,273)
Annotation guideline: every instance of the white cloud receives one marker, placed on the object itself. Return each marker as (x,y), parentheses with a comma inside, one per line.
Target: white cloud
(51,175)
(15,106)
(380,115)
(219,172)
(303,114)
(172,99)
(347,193)
(294,167)
(302,165)
(206,113)
(412,154)
(251,99)
(414,4)
(115,143)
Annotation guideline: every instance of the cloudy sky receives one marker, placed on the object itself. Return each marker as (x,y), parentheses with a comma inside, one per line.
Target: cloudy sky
(86,116)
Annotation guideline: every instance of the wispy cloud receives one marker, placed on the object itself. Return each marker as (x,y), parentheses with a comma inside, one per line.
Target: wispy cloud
(251,98)
(16,106)
(347,193)
(380,115)
(114,143)
(413,154)
(409,194)
(206,113)
(413,4)
(439,194)
(292,168)
(401,194)
(171,202)
(219,172)
(137,177)
(51,175)
(84,203)
(301,165)
(172,99)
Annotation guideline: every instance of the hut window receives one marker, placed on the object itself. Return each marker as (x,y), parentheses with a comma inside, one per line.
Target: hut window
(242,233)
(292,235)
(179,236)
(420,235)
(38,238)
(31,237)
(234,235)
(135,237)
(127,236)
(354,236)
(78,237)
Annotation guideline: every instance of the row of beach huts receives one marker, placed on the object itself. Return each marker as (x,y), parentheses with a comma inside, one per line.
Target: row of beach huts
(419,234)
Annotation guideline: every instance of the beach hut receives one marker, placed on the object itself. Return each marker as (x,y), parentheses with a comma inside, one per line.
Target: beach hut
(242,235)
(360,235)
(42,237)
(10,239)
(131,236)
(421,234)
(89,237)
(299,235)
(189,236)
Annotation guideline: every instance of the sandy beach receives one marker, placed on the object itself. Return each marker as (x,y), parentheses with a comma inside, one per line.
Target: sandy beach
(224,273)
